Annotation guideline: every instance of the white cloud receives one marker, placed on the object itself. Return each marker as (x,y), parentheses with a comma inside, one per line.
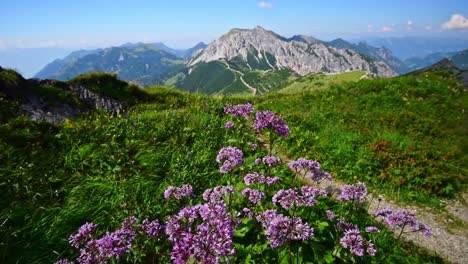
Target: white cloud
(428,28)
(387,29)
(410,24)
(457,21)
(264,4)
(370,28)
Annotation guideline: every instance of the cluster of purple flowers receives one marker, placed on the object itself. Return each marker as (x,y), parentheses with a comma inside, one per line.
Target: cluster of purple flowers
(83,235)
(403,218)
(268,120)
(353,193)
(251,178)
(230,157)
(229,125)
(270,161)
(253,146)
(290,197)
(311,167)
(239,110)
(151,228)
(255,196)
(281,229)
(330,215)
(210,241)
(178,192)
(217,193)
(111,246)
(356,244)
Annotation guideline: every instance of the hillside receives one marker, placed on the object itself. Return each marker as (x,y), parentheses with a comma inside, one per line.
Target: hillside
(54,101)
(144,64)
(404,137)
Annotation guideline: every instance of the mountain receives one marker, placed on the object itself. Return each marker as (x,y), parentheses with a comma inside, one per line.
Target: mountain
(181,53)
(56,65)
(247,60)
(144,64)
(271,51)
(29,61)
(447,64)
(407,47)
(460,59)
(382,53)
(305,39)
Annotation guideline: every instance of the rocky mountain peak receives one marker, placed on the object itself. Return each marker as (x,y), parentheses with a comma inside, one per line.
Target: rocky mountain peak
(277,52)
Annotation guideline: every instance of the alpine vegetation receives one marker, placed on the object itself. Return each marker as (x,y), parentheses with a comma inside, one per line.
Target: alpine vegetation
(266,213)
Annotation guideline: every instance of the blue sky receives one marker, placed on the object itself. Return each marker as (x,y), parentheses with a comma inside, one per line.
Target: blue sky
(183,23)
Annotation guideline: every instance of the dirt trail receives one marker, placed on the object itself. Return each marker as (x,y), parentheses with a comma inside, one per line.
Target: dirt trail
(254,90)
(447,240)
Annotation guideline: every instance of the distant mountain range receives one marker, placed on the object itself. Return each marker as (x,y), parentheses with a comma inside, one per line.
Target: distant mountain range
(460,59)
(241,61)
(145,64)
(408,47)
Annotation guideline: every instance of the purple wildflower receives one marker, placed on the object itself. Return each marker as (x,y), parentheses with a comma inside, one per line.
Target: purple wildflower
(255,196)
(229,125)
(268,120)
(330,215)
(271,161)
(353,240)
(344,226)
(372,229)
(403,218)
(83,235)
(63,261)
(230,157)
(270,180)
(253,146)
(310,193)
(178,192)
(244,110)
(281,229)
(371,249)
(111,245)
(207,242)
(310,167)
(258,161)
(350,192)
(217,193)
(266,217)
(151,228)
(251,178)
(248,212)
(287,198)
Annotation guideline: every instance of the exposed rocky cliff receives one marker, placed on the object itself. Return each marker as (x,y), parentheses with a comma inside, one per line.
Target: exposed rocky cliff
(49,100)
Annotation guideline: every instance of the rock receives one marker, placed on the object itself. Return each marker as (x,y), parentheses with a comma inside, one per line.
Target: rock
(301,57)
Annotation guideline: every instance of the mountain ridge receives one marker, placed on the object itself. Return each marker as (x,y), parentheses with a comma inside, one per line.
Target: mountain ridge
(301,57)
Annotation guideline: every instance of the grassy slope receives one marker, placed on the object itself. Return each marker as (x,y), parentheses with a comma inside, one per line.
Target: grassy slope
(404,135)
(101,169)
(319,81)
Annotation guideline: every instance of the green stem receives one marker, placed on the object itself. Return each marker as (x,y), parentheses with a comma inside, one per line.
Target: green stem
(397,241)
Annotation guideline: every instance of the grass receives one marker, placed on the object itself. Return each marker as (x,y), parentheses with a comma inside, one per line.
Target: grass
(319,81)
(388,133)
(404,136)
